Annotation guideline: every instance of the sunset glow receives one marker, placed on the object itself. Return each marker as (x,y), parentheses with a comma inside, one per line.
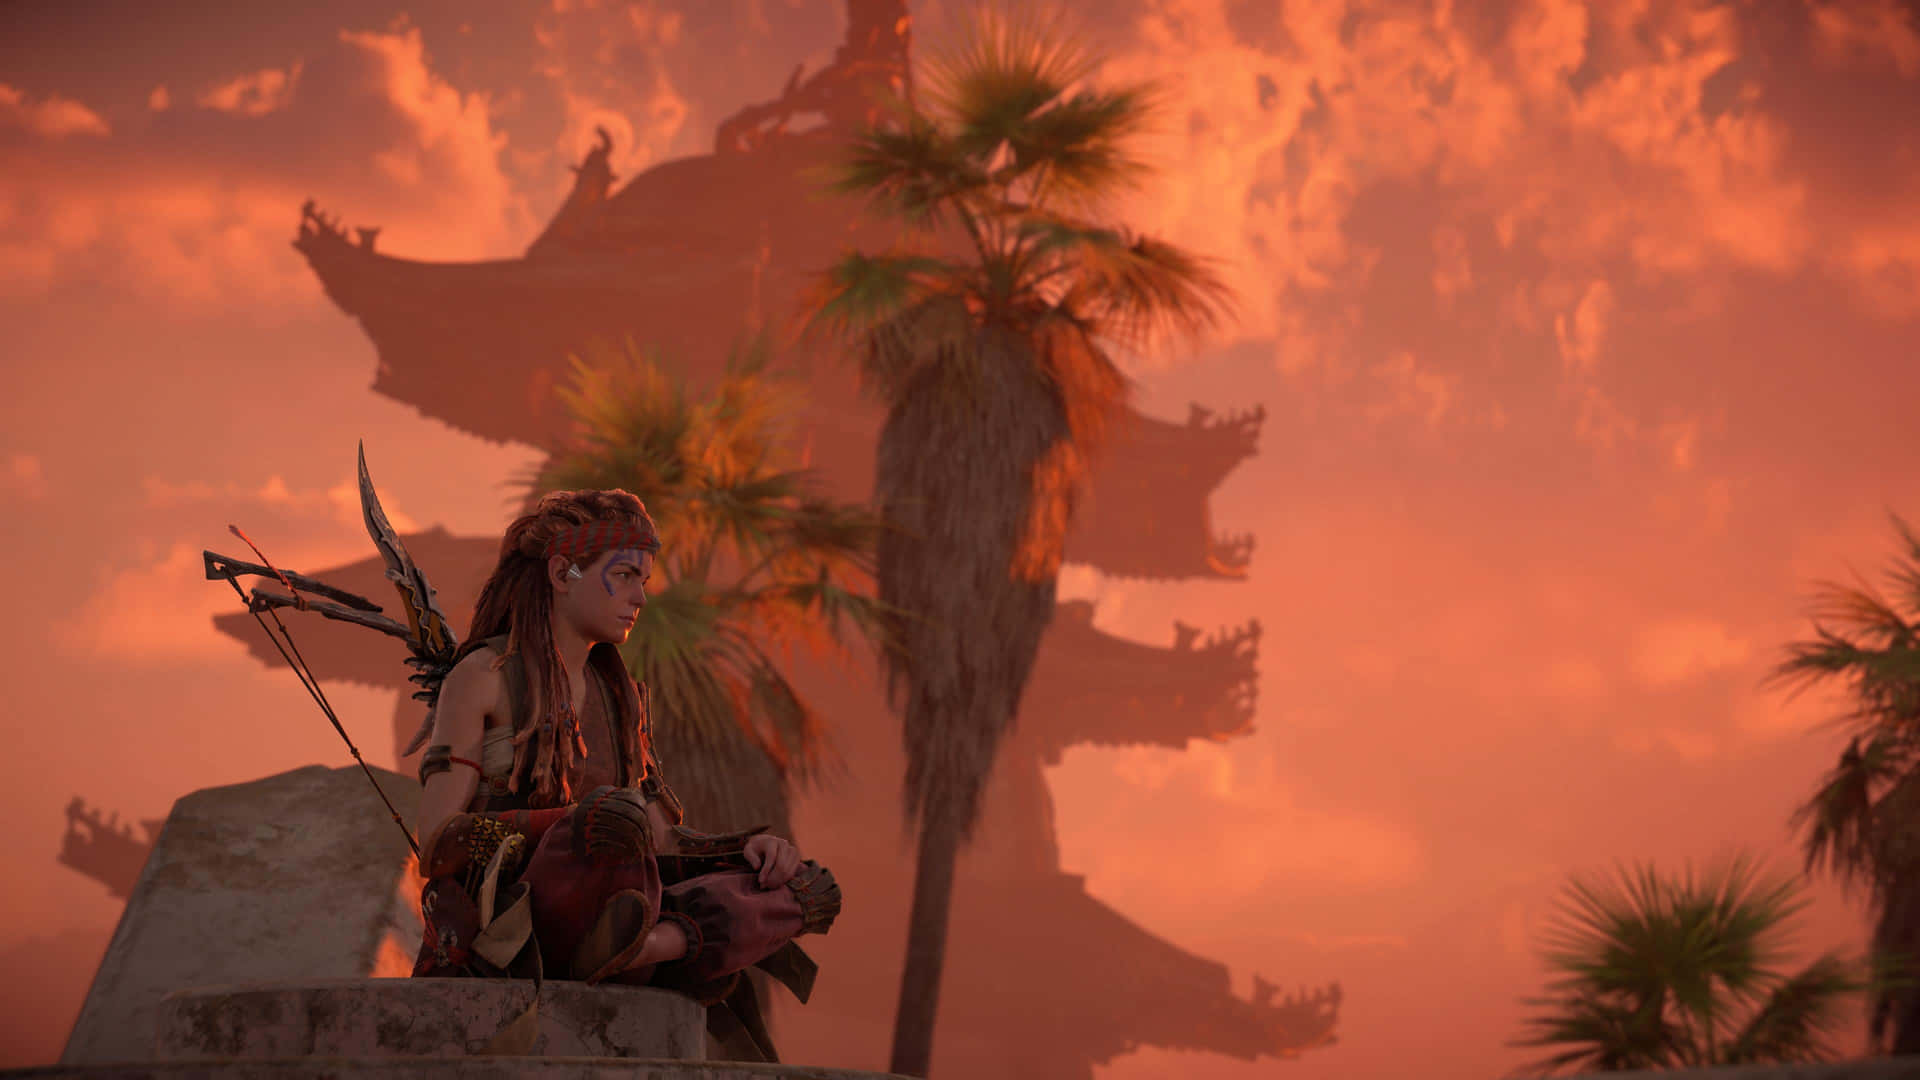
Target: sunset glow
(1585,332)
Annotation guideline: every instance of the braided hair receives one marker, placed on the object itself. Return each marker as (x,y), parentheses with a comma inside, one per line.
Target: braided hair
(517,600)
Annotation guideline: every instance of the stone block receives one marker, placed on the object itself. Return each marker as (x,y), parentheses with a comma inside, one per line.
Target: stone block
(298,876)
(442,1068)
(368,1018)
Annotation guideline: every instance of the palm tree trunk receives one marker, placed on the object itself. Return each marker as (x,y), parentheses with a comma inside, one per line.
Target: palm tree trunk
(926,945)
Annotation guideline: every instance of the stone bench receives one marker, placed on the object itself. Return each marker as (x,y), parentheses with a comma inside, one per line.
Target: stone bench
(442,1068)
(429,1029)
(366,1018)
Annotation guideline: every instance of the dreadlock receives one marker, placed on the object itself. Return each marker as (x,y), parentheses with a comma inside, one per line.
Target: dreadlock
(517,600)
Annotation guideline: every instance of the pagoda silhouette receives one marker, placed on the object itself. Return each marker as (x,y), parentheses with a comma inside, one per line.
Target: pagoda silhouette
(1042,980)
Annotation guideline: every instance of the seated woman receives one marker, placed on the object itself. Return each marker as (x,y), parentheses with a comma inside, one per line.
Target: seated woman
(550,841)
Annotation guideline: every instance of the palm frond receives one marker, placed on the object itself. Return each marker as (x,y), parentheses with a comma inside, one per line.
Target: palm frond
(1600,1033)
(1895,828)
(1799,1015)
(732,517)
(1894,968)
(1660,971)
(1001,65)
(711,677)
(1905,571)
(629,421)
(864,294)
(1079,149)
(912,170)
(1839,818)
(1138,291)
(1011,97)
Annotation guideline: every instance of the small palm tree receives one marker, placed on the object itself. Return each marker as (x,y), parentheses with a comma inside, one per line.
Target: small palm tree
(1659,973)
(1863,822)
(986,340)
(750,565)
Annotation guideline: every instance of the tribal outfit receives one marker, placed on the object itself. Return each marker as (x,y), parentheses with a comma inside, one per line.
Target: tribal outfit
(518,889)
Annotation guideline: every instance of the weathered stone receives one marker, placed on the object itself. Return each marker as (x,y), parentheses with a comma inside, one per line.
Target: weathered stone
(444,1068)
(298,876)
(1900,1068)
(361,1018)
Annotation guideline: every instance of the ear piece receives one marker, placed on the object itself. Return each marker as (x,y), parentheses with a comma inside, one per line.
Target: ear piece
(574,573)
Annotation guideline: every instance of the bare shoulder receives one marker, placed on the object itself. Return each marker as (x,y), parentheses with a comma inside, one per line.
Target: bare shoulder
(474,690)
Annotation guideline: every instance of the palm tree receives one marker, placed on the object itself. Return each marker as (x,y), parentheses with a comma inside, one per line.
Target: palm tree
(750,563)
(1863,822)
(987,343)
(1659,973)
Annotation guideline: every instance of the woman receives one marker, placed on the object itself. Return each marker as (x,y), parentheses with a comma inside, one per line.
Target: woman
(543,803)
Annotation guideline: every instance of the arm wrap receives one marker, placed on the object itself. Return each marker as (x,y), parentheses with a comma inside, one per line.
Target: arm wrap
(819,896)
(439,758)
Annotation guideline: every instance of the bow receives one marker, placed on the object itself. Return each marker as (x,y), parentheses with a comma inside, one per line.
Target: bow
(430,643)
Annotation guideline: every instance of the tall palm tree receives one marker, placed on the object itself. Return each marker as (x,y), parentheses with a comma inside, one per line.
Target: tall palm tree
(1659,972)
(750,564)
(987,342)
(1863,822)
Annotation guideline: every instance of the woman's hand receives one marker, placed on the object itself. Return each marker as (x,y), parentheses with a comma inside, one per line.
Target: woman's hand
(776,859)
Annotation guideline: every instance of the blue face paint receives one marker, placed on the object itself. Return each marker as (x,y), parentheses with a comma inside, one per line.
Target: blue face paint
(629,558)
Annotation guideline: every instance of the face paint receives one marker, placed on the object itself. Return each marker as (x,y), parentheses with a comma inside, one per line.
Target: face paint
(630,558)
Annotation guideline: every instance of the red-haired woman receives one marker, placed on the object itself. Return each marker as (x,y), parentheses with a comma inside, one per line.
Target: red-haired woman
(542,790)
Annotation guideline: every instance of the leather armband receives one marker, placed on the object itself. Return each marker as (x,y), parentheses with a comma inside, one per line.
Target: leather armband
(819,895)
(439,759)
(695,842)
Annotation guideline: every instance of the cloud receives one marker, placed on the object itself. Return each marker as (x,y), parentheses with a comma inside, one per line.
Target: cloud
(341,502)
(374,131)
(253,94)
(159,100)
(1573,679)
(1680,742)
(21,477)
(1679,650)
(1635,156)
(158,610)
(450,134)
(1876,32)
(1583,335)
(155,612)
(1258,828)
(613,69)
(52,117)
(1885,265)
(1414,390)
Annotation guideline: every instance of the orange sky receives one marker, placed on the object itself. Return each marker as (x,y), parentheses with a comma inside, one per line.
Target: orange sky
(1580,328)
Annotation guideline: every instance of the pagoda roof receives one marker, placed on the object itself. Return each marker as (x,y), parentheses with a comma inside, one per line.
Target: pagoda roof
(1088,686)
(1152,993)
(1147,513)
(1040,963)
(104,849)
(1091,688)
(454,341)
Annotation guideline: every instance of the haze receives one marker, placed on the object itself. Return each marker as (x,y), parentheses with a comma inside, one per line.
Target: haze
(1585,333)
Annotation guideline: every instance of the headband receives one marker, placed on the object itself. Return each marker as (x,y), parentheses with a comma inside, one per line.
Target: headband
(589,540)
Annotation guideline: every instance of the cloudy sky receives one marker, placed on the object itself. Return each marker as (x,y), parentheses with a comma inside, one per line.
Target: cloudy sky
(1581,329)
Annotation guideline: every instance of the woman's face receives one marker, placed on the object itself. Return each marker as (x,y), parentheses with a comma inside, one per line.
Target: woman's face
(606,598)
